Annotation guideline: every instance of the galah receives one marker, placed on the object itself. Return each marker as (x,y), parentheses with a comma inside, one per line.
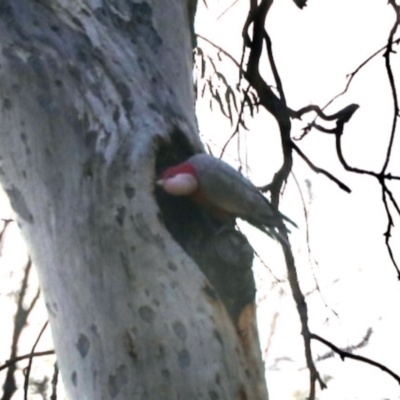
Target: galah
(220,189)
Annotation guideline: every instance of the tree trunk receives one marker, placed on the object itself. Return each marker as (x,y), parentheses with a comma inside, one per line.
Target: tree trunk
(96,98)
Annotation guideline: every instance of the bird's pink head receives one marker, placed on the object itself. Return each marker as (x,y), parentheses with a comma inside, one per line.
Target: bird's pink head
(184,168)
(180,180)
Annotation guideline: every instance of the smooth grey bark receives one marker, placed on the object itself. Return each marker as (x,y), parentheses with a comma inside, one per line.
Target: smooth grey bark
(88,91)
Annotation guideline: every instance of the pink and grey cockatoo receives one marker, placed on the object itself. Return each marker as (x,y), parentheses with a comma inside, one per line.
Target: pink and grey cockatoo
(221,190)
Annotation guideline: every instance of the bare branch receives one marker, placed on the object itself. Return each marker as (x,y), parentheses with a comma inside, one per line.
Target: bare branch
(345,354)
(21,317)
(277,107)
(364,341)
(54,383)
(389,50)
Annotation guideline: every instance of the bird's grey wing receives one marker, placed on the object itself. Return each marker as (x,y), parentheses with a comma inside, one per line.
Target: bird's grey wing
(226,188)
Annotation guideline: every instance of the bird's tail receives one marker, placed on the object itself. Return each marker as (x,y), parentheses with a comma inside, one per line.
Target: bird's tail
(285,218)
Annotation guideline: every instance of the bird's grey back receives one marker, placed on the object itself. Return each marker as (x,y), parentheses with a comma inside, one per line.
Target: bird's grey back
(229,189)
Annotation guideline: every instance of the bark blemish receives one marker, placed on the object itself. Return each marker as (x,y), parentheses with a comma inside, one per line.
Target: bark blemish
(180,330)
(90,139)
(242,393)
(213,395)
(218,336)
(25,142)
(184,358)
(126,96)
(210,292)
(129,191)
(144,231)
(45,101)
(128,105)
(51,310)
(120,217)
(117,381)
(85,12)
(165,373)
(7,104)
(83,345)
(19,204)
(16,88)
(160,353)
(172,266)
(78,23)
(147,314)
(123,90)
(93,329)
(74,378)
(142,27)
(55,28)
(125,264)
(87,169)
(116,114)
(130,345)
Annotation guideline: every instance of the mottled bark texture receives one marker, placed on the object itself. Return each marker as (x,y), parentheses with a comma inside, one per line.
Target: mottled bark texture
(96,96)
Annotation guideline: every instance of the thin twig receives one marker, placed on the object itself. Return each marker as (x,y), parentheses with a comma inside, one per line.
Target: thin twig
(226,10)
(219,48)
(236,130)
(13,361)
(355,72)
(321,170)
(28,368)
